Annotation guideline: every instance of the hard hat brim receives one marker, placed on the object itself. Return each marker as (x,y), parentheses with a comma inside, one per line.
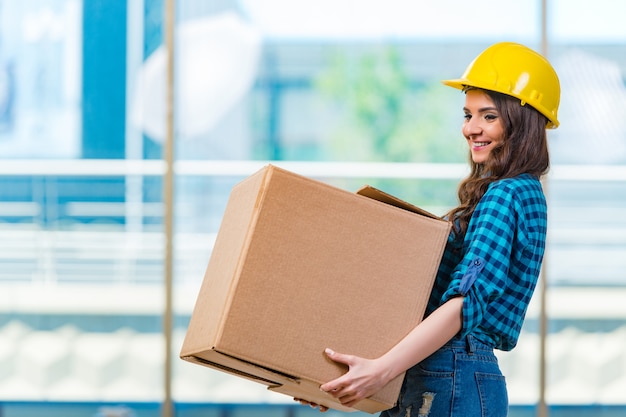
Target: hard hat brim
(462,84)
(458,83)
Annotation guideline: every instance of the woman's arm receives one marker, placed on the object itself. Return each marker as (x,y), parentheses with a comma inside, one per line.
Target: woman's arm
(367,376)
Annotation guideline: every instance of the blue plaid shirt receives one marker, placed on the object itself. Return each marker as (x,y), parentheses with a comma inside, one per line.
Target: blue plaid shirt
(496,266)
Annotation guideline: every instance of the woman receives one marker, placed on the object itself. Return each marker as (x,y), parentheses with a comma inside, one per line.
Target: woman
(492,261)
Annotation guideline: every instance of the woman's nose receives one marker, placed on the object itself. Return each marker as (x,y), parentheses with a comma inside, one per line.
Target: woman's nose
(471,127)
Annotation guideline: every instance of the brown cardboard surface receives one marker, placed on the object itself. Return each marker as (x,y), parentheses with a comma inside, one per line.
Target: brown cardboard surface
(298,266)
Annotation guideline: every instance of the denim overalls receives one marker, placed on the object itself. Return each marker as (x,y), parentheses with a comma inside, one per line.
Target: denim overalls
(462,379)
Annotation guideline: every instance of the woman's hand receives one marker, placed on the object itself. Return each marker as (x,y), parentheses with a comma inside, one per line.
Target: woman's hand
(322,408)
(364,378)
(367,376)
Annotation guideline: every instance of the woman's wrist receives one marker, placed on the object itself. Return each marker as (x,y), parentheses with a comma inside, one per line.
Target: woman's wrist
(388,369)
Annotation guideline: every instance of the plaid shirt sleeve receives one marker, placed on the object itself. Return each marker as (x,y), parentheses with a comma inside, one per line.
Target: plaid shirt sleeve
(502,254)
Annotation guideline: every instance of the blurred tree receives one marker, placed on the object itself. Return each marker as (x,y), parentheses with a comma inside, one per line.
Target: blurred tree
(385,115)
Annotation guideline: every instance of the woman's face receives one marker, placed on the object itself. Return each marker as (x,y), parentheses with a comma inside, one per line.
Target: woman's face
(482,127)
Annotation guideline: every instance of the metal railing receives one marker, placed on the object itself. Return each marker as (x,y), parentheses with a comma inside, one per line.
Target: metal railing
(117,237)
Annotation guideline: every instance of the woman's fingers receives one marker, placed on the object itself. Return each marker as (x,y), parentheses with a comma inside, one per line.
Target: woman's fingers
(322,408)
(336,386)
(339,357)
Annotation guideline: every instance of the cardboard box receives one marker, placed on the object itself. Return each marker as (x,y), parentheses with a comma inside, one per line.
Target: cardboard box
(298,266)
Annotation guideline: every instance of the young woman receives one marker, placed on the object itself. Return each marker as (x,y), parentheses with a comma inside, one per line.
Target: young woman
(492,261)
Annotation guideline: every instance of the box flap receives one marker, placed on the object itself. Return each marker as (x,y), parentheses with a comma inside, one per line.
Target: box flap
(376,194)
(286,384)
(236,366)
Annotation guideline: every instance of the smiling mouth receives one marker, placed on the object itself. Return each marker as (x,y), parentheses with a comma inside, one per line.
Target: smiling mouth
(480,144)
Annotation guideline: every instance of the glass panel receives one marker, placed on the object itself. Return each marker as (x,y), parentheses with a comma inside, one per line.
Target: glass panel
(40,89)
(588,234)
(81,248)
(331,82)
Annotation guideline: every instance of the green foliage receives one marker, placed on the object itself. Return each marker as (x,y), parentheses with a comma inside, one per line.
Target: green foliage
(384,115)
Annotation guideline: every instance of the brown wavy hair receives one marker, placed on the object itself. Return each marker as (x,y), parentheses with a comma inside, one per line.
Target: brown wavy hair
(523,150)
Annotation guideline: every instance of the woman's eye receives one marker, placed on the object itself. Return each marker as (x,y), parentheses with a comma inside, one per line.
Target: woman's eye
(491,117)
(467,116)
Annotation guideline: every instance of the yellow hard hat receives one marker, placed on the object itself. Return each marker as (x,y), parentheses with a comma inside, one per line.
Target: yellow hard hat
(518,71)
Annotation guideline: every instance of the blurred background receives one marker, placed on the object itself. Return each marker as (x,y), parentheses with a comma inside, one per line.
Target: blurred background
(97,286)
